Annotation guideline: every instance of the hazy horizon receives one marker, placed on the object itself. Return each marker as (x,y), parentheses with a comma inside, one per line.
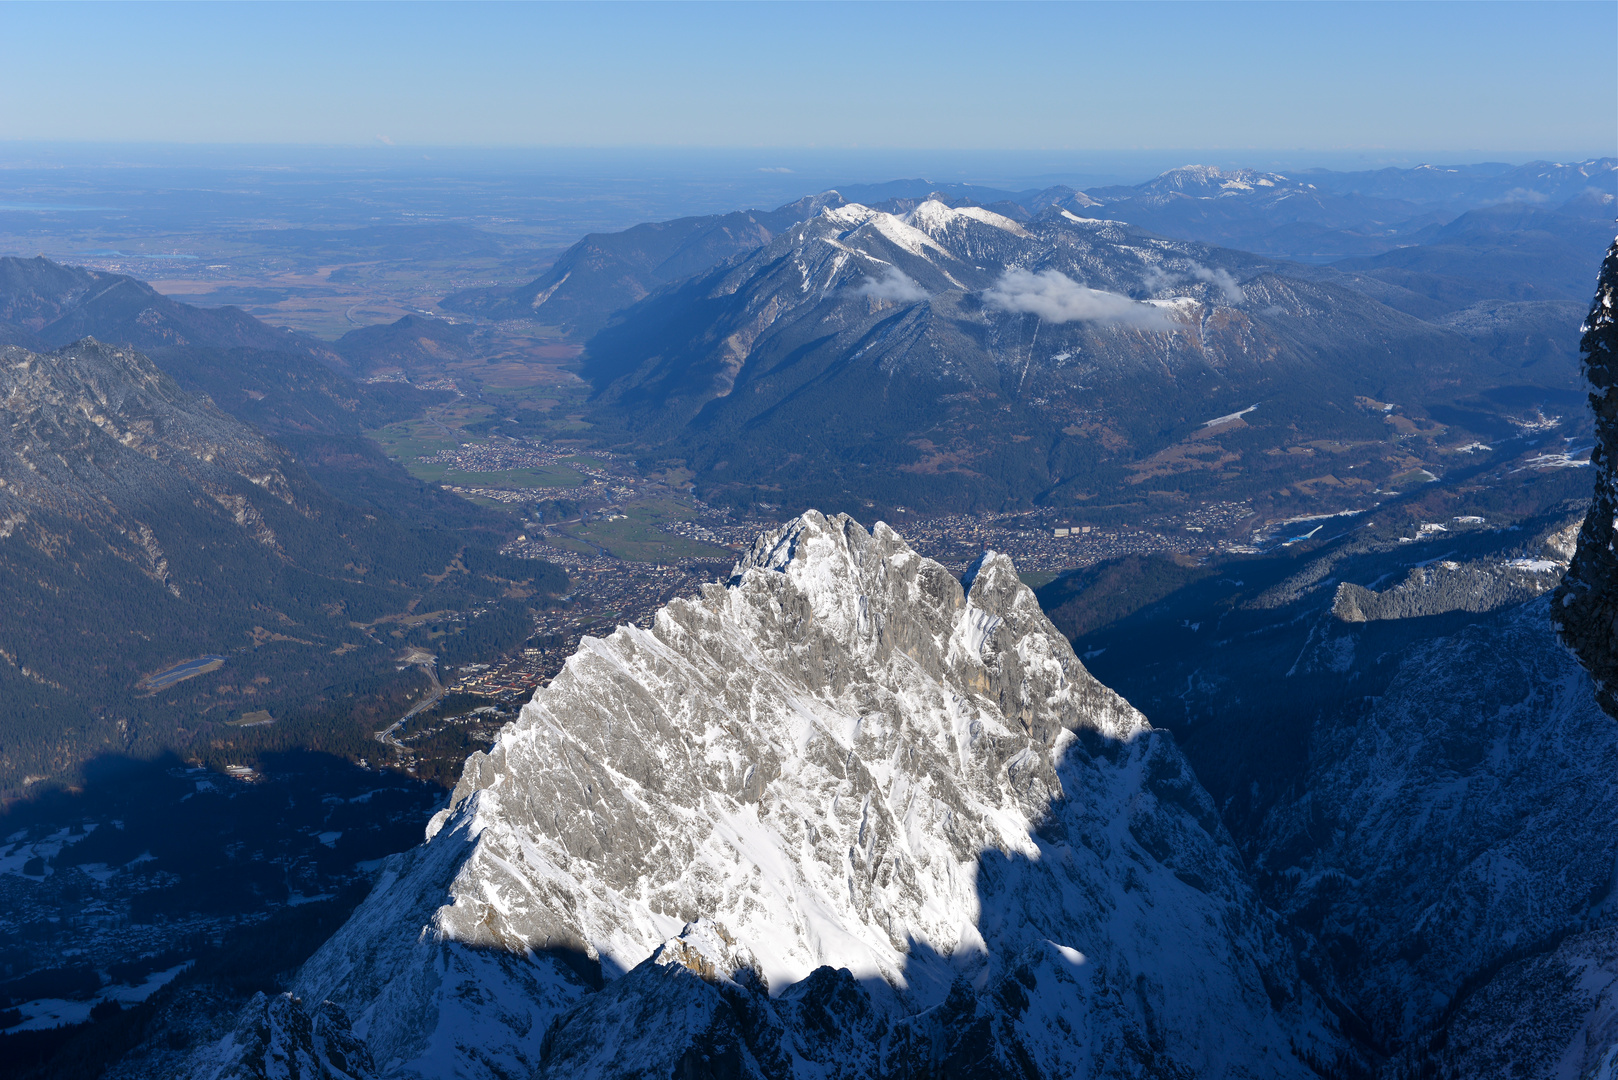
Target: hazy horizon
(712,178)
(1529,80)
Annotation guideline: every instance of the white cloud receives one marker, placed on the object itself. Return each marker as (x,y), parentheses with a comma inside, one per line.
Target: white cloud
(1057,298)
(774,169)
(894,285)
(1157,278)
(1227,284)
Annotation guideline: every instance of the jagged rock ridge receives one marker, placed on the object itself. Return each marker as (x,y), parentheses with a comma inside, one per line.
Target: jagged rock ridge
(844,818)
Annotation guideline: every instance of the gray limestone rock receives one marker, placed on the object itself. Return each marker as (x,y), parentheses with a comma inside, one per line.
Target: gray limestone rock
(884,791)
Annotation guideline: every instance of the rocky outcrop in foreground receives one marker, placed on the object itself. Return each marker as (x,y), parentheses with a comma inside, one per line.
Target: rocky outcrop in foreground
(1586,605)
(278,1038)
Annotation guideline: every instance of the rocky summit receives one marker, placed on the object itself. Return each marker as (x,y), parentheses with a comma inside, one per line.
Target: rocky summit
(843,816)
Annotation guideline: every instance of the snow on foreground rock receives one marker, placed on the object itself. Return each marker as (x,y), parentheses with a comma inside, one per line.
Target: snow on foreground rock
(838,818)
(276,1038)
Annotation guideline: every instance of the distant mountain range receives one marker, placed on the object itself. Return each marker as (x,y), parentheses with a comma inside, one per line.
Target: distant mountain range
(298,390)
(55,305)
(1316,215)
(606,272)
(1319,215)
(950,357)
(1508,252)
(852,354)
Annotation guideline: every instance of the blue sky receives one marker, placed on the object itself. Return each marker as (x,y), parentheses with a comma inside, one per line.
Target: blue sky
(1509,80)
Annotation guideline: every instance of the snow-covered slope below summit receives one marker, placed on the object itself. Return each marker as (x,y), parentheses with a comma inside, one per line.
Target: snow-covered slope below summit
(840,761)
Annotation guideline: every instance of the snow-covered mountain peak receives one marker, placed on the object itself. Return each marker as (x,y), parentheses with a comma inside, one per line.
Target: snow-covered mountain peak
(1089,222)
(897,231)
(843,760)
(937,219)
(852,220)
(848,215)
(811,205)
(1208,181)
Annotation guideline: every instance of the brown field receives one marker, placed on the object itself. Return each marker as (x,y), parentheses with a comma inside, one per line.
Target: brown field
(1182,457)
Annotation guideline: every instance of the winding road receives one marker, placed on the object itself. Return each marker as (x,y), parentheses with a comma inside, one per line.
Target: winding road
(428,664)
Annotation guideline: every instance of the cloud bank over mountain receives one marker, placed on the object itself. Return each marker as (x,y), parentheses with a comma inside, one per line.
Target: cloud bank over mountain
(1057,298)
(895,285)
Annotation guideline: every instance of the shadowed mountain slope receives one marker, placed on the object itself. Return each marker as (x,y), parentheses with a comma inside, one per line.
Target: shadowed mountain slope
(1316,216)
(141,526)
(1418,773)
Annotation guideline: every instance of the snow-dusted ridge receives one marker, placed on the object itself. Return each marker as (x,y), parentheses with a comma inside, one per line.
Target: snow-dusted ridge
(842,782)
(936,219)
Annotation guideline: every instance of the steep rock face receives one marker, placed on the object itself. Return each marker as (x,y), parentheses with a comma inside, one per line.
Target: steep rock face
(840,801)
(1587,602)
